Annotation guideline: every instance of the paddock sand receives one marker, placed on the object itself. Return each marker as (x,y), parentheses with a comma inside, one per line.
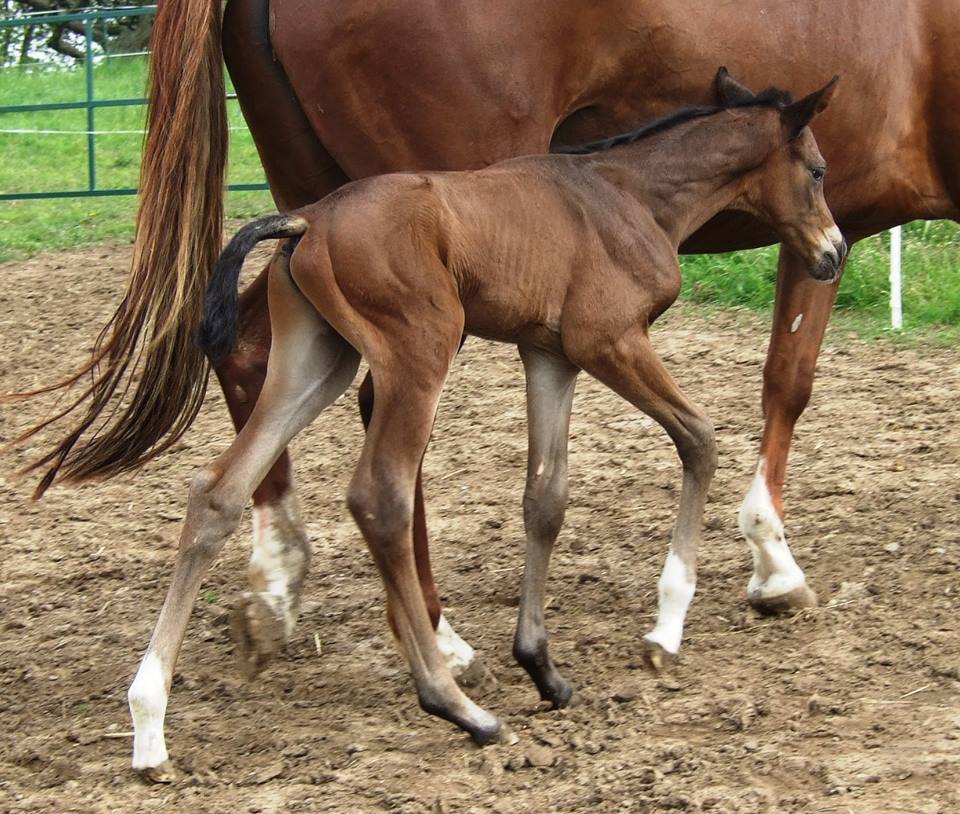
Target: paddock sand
(852,708)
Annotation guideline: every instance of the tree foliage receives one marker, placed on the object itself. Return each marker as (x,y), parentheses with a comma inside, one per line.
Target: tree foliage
(40,41)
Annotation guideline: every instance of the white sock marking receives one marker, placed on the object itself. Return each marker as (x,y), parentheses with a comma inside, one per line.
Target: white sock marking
(676,591)
(775,572)
(280,561)
(458,654)
(148,704)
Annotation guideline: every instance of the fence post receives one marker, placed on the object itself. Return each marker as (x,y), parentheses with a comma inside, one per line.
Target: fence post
(91,137)
(896,281)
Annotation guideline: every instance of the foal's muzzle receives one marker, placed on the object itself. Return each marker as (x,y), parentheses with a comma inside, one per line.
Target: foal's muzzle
(828,269)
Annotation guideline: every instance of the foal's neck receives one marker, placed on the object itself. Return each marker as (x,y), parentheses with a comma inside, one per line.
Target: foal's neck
(691,172)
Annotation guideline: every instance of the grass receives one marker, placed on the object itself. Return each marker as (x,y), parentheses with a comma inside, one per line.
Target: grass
(31,162)
(45,162)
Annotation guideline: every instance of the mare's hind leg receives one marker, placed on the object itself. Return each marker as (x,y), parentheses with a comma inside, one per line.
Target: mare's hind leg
(310,366)
(550,385)
(381,499)
(630,366)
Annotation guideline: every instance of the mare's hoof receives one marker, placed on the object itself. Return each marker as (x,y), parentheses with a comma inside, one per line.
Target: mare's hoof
(475,674)
(798,599)
(257,632)
(562,696)
(656,658)
(164,773)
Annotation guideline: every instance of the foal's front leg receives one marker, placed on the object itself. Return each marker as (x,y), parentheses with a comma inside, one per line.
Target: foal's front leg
(629,365)
(551,381)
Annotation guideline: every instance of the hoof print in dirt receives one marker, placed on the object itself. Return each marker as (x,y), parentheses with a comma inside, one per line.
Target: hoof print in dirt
(798,599)
(257,634)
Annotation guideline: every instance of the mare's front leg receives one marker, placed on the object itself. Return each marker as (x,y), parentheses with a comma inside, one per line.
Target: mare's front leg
(309,368)
(551,381)
(800,319)
(629,366)
(263,620)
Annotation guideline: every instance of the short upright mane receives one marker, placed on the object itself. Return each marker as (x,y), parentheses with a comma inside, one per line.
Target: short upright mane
(771,97)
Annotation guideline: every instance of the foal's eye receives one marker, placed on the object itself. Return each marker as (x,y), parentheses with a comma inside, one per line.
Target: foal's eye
(818,173)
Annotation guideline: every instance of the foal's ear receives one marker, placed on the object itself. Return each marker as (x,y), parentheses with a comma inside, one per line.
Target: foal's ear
(798,115)
(730,91)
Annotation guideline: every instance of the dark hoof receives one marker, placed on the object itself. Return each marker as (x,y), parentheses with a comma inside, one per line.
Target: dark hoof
(791,602)
(562,695)
(656,658)
(164,773)
(497,733)
(257,634)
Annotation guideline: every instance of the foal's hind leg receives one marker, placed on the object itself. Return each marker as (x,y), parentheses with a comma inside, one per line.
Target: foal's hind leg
(381,500)
(461,657)
(550,385)
(264,618)
(630,366)
(310,366)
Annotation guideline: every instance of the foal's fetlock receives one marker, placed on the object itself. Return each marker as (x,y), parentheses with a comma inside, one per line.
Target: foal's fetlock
(552,686)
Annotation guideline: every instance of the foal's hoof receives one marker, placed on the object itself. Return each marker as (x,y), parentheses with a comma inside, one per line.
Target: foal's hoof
(656,658)
(164,773)
(798,599)
(475,674)
(498,733)
(257,631)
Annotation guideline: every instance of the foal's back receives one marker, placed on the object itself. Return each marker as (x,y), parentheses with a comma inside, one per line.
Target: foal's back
(526,245)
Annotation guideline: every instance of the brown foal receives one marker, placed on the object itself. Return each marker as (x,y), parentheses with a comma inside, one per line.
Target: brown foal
(570,257)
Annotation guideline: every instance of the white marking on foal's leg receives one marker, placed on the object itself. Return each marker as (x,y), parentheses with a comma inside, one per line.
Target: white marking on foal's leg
(775,572)
(795,325)
(676,589)
(148,704)
(279,558)
(456,652)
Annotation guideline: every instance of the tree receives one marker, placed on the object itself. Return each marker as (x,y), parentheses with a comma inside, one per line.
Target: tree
(67,39)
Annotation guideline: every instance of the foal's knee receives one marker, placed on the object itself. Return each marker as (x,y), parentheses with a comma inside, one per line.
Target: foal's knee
(698,447)
(545,501)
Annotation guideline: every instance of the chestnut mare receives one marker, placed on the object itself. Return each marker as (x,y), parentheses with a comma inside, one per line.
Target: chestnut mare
(569,257)
(335,91)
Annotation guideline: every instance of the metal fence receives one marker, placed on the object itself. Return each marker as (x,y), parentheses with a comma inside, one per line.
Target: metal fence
(90,104)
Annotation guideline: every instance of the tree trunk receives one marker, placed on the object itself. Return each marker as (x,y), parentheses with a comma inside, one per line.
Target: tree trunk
(25,47)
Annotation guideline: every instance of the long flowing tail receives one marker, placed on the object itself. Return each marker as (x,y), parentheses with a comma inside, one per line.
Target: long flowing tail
(146,379)
(218,329)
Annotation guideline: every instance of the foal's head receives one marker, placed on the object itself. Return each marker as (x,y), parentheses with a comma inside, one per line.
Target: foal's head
(787,189)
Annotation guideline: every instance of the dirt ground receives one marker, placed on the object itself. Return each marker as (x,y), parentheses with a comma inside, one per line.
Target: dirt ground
(854,707)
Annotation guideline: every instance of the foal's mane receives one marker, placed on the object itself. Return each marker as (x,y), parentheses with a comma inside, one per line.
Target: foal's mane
(771,97)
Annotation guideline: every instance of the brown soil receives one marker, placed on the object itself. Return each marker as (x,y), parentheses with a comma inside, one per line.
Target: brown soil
(853,707)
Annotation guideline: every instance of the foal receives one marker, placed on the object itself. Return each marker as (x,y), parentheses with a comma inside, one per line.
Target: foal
(571,258)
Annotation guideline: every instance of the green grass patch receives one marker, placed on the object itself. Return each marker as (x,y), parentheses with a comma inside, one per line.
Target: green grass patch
(39,162)
(931,279)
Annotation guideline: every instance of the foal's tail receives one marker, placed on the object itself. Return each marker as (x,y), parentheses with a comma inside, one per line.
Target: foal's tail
(221,307)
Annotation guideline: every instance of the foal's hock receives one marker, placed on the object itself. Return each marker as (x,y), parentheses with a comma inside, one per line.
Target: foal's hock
(570,257)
